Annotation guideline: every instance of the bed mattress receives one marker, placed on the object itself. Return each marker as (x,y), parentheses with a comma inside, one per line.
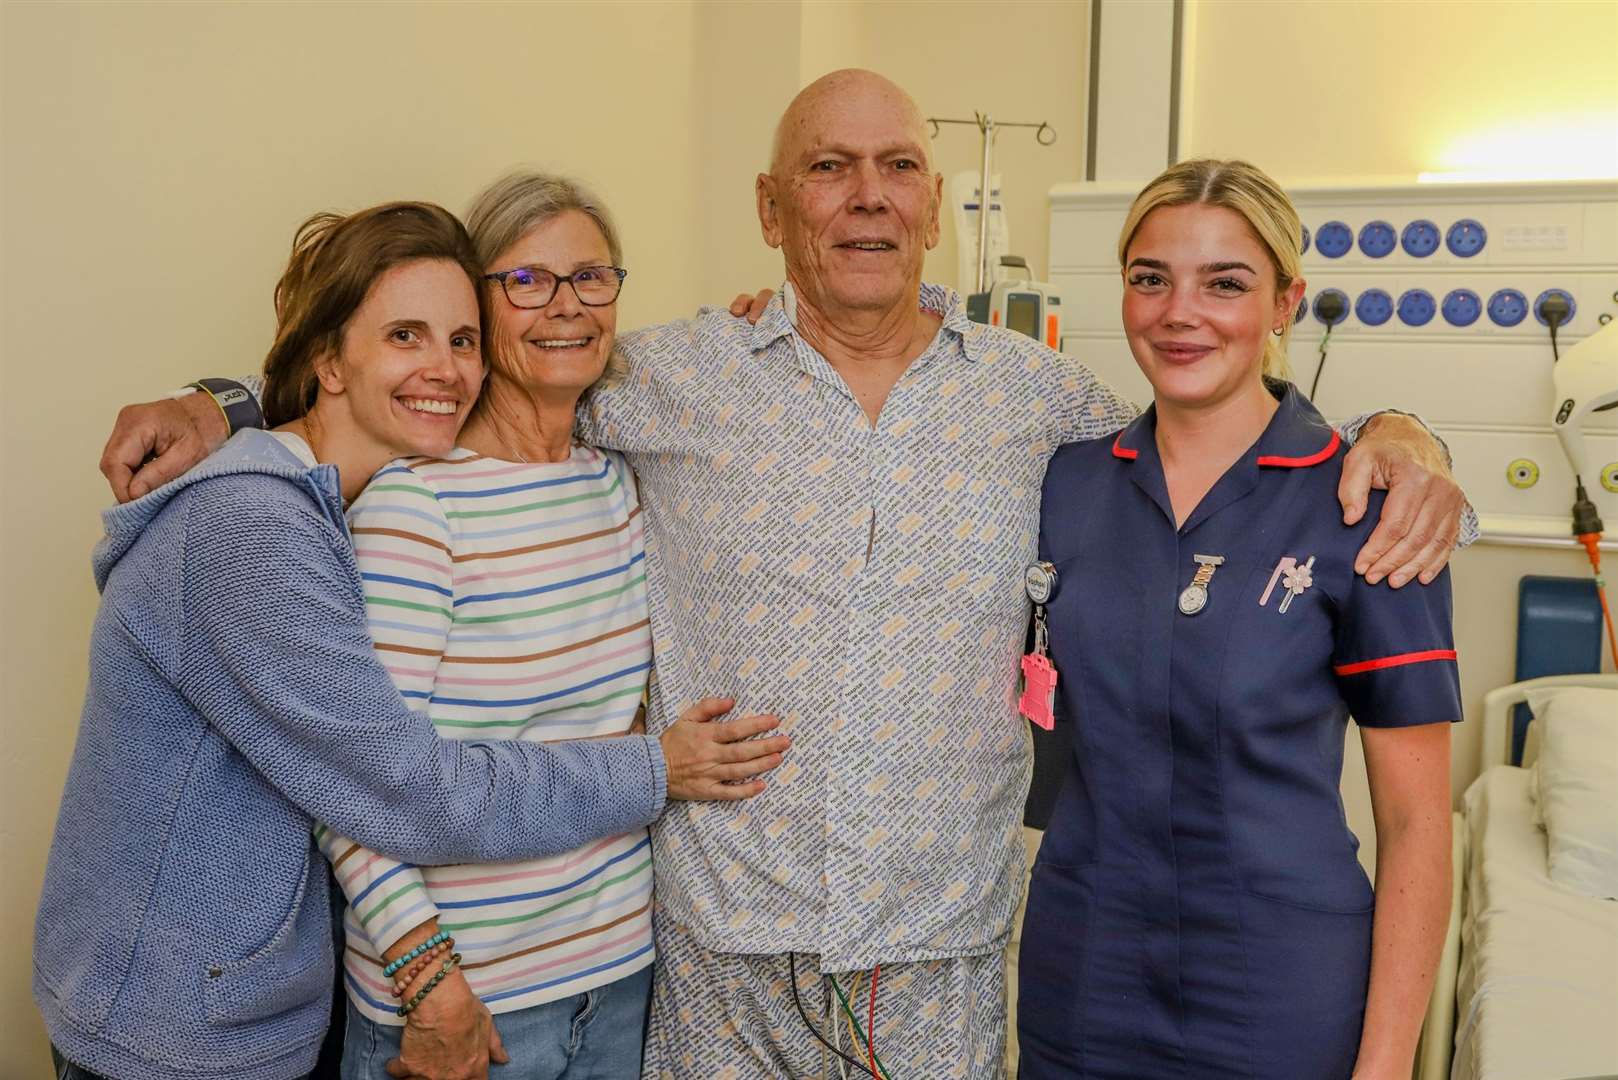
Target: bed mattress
(1537,991)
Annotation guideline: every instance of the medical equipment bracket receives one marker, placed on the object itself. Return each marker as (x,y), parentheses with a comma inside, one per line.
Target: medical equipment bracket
(989,127)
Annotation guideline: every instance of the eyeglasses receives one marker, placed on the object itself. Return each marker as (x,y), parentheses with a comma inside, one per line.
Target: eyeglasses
(533,287)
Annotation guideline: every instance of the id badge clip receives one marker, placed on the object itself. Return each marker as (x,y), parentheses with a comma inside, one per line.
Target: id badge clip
(1038,701)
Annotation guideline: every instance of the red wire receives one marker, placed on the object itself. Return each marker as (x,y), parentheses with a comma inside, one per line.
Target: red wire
(1606,613)
(870,1021)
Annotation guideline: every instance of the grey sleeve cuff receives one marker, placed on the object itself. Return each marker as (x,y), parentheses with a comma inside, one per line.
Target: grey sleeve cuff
(660,775)
(1349,430)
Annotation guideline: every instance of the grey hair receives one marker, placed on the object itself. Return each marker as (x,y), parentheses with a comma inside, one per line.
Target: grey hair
(516,203)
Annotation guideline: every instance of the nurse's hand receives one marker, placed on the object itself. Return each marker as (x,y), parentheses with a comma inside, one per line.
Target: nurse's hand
(751,306)
(1421,517)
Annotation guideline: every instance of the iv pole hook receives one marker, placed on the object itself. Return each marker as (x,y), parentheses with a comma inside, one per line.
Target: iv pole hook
(988,127)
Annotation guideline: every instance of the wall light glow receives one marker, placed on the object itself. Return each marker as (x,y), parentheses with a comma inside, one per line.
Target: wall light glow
(1583,147)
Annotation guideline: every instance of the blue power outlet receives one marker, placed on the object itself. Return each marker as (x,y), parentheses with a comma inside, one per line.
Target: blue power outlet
(1305,247)
(1303,309)
(1466,238)
(1374,307)
(1377,239)
(1334,239)
(1420,238)
(1572,308)
(1508,307)
(1416,307)
(1341,296)
(1461,307)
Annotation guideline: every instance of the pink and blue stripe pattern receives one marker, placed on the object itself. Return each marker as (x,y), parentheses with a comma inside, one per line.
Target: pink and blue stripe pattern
(507,600)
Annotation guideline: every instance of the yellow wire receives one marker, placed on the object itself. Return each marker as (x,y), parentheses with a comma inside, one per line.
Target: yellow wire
(848,1021)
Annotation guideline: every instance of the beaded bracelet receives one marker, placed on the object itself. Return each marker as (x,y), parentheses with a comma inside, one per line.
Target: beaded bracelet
(437,938)
(410,1006)
(404,978)
(402,981)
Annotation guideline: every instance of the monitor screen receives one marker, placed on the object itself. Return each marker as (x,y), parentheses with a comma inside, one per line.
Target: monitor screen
(1022,313)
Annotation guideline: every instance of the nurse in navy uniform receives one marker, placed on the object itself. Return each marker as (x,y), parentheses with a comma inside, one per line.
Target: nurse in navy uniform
(1197,908)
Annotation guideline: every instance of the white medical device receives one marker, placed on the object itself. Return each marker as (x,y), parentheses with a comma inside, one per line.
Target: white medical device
(1031,308)
(1586,379)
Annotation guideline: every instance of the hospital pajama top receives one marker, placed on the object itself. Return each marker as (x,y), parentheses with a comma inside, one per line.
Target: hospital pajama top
(862,582)
(1197,908)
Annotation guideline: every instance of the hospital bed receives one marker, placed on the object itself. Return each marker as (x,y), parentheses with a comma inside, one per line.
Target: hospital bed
(1527,987)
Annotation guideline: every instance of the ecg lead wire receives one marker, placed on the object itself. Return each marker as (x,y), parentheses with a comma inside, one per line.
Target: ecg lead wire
(792,980)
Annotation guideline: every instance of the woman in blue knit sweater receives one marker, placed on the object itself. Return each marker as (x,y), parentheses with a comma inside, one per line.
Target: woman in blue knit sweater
(234,697)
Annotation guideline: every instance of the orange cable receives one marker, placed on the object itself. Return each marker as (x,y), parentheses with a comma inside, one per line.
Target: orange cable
(1591,542)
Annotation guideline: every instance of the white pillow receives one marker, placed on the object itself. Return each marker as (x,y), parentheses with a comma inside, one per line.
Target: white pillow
(1578,785)
(1530,761)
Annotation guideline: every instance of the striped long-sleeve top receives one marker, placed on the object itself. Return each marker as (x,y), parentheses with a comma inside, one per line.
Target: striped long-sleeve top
(508,601)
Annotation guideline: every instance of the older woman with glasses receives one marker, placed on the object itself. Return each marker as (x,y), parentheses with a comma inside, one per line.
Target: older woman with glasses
(506,588)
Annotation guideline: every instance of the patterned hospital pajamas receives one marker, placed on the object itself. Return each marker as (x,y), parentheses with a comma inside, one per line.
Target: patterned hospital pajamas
(730,1016)
(863,582)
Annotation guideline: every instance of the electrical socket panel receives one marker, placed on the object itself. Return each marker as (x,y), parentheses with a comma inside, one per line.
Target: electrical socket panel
(1500,297)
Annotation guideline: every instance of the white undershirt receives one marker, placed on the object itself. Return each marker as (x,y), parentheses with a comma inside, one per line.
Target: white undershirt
(298,445)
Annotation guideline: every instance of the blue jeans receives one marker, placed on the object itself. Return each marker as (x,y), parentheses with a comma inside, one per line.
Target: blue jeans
(66,1070)
(596,1035)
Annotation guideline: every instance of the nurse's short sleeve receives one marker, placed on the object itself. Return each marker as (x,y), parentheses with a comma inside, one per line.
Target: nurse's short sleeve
(1394,657)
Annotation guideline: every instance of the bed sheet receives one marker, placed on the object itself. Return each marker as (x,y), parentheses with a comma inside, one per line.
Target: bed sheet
(1537,992)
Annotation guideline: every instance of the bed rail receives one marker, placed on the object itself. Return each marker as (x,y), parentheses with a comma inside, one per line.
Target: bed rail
(1497,703)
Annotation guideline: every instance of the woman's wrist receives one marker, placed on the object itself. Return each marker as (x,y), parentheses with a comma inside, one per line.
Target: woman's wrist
(407,976)
(453,995)
(421,948)
(426,982)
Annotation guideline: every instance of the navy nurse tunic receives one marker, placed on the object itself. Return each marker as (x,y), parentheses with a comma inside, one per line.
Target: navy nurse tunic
(1197,908)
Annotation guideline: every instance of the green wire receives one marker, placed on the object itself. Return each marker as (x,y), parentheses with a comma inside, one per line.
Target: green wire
(881,1068)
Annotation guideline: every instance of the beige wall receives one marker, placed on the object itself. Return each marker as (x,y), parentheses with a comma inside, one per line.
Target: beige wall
(1344,88)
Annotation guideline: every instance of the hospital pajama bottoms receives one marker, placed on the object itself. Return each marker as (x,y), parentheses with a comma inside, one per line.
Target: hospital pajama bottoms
(731,1016)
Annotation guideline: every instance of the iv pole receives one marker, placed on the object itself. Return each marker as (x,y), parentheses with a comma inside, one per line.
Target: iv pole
(989,127)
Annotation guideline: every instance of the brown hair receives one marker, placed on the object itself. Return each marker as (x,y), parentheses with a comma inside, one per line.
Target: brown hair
(1246,189)
(335,261)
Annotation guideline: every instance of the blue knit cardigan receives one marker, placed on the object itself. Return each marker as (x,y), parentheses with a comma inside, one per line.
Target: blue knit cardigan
(233,699)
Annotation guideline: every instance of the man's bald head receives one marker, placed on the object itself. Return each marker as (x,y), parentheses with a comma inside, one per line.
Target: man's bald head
(835,99)
(851,198)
